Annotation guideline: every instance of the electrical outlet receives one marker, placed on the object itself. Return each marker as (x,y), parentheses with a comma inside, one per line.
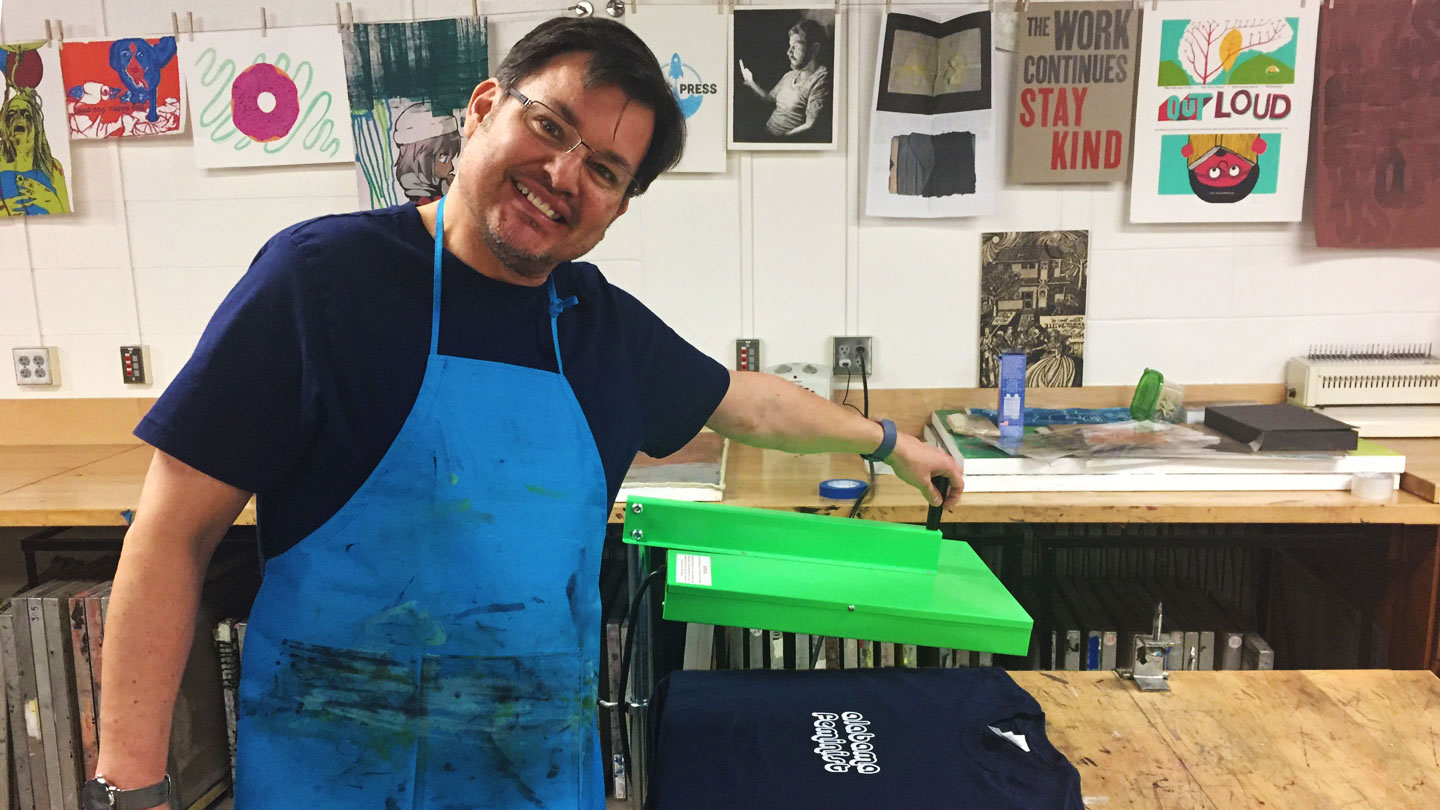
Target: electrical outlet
(35,366)
(847,350)
(135,365)
(747,354)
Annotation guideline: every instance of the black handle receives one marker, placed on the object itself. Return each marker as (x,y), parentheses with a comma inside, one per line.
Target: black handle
(932,519)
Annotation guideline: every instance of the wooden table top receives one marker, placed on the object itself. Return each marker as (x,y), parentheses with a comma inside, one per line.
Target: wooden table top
(1254,740)
(92,485)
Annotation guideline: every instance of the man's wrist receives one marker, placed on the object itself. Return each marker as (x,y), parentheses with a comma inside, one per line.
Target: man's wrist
(888,439)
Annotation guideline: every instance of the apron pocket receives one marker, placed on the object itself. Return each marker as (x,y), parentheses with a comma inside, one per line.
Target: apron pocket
(506,731)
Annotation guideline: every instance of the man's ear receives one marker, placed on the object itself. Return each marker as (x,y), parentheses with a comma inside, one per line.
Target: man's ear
(484,98)
(624,206)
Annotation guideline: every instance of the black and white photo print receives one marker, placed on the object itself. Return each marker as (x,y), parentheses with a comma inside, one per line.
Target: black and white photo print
(782,93)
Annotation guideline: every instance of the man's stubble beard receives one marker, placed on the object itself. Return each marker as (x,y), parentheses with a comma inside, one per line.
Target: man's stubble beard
(527,265)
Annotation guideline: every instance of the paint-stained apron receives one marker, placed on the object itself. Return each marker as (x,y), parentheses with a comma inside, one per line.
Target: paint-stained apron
(435,643)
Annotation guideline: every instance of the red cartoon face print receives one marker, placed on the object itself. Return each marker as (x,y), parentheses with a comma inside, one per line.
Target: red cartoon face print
(1223,168)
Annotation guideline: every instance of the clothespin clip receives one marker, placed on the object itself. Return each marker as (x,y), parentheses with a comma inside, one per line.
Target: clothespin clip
(262,21)
(1154,5)
(60,31)
(49,40)
(837,8)
(190,25)
(339,21)
(474,9)
(634,6)
(887,6)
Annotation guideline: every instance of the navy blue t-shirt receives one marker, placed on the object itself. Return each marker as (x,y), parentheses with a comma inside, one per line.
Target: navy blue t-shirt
(920,739)
(309,368)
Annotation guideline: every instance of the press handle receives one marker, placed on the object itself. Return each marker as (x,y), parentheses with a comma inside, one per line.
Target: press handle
(932,519)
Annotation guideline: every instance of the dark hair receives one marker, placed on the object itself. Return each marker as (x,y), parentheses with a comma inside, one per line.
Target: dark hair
(618,58)
(813,32)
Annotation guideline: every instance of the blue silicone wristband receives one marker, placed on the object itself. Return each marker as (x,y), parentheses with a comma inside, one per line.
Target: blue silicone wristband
(887,444)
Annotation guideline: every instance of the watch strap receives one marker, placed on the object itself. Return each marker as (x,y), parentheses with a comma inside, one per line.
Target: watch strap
(887,443)
(141,798)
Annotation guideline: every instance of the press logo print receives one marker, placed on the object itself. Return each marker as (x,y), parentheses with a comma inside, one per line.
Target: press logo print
(843,742)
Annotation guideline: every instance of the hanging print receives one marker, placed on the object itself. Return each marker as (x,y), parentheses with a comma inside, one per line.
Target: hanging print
(1074,93)
(932,138)
(1032,299)
(409,85)
(123,88)
(1222,119)
(689,41)
(268,99)
(1377,129)
(34,147)
(782,83)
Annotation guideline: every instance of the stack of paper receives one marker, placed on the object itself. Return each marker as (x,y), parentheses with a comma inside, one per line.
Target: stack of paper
(989,469)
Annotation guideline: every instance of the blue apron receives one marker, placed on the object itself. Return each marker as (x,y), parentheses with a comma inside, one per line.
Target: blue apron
(435,644)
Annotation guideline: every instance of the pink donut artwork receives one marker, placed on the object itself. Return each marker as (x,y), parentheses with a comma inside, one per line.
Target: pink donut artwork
(253,82)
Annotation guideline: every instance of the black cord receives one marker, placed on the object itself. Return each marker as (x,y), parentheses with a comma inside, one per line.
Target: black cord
(846,399)
(870,465)
(622,701)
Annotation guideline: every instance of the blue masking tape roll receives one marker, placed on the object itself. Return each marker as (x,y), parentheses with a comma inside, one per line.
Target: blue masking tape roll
(846,489)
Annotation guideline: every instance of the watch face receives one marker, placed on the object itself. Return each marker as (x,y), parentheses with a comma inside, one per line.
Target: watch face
(95,796)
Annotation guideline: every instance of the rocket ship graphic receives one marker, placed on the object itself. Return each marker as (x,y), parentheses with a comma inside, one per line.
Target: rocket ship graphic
(688,104)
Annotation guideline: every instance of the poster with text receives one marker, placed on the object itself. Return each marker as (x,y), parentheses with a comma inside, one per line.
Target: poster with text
(35,167)
(782,82)
(271,100)
(932,128)
(1222,116)
(1074,93)
(409,86)
(689,41)
(1032,299)
(123,88)
(1377,178)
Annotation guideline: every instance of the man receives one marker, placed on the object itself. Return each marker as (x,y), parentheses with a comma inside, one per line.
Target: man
(436,407)
(802,96)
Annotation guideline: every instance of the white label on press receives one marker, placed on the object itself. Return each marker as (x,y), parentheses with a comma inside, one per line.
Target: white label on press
(692,569)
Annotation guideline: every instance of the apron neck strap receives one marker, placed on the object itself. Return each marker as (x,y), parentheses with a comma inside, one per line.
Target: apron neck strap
(435,298)
(557,306)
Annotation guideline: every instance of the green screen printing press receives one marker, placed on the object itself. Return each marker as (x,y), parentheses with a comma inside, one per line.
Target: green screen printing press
(740,567)
(756,568)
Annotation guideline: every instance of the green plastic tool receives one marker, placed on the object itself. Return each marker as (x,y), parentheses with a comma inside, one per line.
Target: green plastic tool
(760,568)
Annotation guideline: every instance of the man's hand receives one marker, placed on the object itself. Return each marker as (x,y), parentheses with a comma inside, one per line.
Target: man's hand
(745,73)
(916,462)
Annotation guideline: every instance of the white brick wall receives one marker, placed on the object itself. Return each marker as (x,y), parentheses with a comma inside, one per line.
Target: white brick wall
(773,249)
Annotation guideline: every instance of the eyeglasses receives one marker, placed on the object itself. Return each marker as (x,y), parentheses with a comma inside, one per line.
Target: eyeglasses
(551,129)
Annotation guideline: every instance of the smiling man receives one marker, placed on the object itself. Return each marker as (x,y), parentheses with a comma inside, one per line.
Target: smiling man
(436,407)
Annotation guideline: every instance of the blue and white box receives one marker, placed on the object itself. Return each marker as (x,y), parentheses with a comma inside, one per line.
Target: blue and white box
(1010,413)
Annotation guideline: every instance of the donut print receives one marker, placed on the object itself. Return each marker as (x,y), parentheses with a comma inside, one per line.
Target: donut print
(262,86)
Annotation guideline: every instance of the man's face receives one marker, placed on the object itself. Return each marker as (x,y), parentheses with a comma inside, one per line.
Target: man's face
(503,156)
(799,51)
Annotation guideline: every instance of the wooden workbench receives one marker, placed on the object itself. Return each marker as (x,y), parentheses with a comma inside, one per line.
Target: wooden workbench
(1254,740)
(92,485)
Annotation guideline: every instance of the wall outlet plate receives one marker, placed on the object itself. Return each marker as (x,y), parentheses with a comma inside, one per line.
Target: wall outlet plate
(35,365)
(135,365)
(747,354)
(845,351)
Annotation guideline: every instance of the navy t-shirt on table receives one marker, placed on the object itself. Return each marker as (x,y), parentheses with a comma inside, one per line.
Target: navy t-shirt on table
(309,367)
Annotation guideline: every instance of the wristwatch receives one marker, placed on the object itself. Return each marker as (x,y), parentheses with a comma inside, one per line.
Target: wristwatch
(887,444)
(97,794)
